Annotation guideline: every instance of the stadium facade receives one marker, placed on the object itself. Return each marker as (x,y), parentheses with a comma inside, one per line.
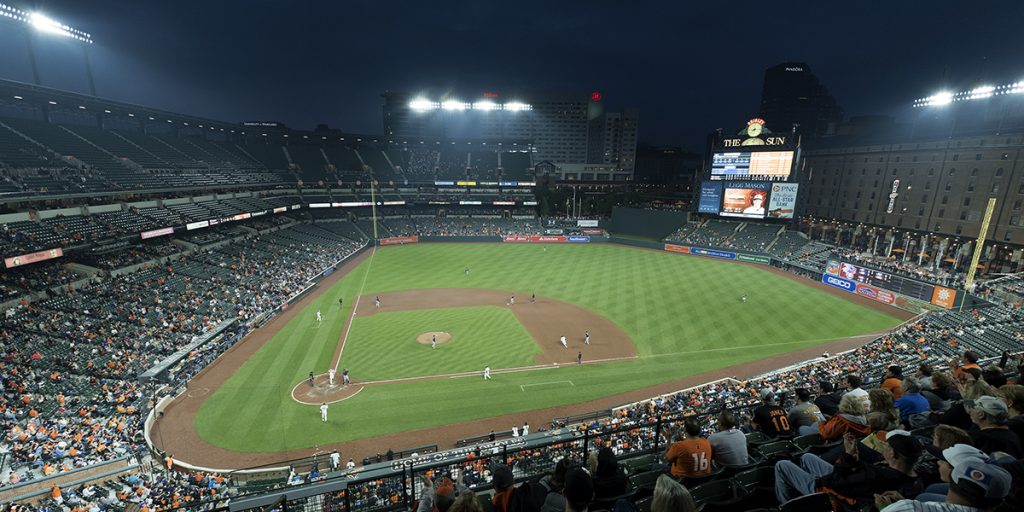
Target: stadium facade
(567,131)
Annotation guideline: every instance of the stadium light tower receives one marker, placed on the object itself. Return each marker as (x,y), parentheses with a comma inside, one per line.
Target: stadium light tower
(39,22)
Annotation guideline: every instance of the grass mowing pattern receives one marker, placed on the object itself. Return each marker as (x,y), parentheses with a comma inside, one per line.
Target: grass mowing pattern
(383,346)
(683,313)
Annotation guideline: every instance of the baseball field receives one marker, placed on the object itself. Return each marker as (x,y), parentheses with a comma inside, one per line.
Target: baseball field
(653,318)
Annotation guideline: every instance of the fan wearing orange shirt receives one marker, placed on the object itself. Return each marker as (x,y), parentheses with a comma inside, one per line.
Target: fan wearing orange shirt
(893,381)
(691,456)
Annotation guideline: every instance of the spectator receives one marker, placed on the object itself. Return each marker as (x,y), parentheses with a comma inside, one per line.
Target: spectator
(891,382)
(912,405)
(671,496)
(770,417)
(990,415)
(941,393)
(690,456)
(853,383)
(924,375)
(504,486)
(957,414)
(852,482)
(804,413)
(467,502)
(969,361)
(609,479)
(946,459)
(973,486)
(850,419)
(882,400)
(552,485)
(828,398)
(578,491)
(728,445)
(1013,396)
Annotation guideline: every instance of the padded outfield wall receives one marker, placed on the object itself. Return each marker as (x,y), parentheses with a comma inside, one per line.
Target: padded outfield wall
(656,224)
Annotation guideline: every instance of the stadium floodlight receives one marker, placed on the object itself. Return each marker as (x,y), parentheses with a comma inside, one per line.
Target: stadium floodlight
(422,104)
(454,105)
(984,91)
(485,105)
(44,23)
(516,106)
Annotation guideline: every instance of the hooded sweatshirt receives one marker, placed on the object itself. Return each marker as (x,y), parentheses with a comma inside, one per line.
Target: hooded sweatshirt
(836,426)
(609,479)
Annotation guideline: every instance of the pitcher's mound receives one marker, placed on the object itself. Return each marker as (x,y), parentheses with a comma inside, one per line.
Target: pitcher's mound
(427,337)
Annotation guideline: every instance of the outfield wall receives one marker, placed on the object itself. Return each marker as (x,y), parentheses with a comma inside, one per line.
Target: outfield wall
(656,224)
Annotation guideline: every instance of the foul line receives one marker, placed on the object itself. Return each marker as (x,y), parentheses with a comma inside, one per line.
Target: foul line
(524,386)
(351,319)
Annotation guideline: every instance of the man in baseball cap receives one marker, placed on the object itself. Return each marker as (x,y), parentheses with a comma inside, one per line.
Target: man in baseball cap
(952,456)
(973,485)
(990,414)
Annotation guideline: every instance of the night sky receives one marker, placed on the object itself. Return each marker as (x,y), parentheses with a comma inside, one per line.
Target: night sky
(690,67)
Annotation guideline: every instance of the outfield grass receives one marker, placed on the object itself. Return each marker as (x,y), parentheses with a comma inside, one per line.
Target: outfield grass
(683,313)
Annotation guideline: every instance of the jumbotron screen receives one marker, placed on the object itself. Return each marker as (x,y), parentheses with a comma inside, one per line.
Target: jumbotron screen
(752,165)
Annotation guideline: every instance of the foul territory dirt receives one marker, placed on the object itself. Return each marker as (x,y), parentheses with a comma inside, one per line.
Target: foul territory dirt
(175,432)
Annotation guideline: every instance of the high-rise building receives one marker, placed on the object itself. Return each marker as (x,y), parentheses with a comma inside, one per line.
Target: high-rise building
(792,95)
(563,129)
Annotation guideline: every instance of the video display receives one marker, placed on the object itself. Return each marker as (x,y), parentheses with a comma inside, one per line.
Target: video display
(752,165)
(747,202)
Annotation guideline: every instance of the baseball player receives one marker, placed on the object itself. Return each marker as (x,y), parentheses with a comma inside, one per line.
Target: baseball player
(335,460)
(533,298)
(466,271)
(515,431)
(487,373)
(310,379)
(323,412)
(341,301)
(743,297)
(376,302)
(586,337)
(330,376)
(344,377)
(565,342)
(351,464)
(512,300)
(579,358)
(433,341)
(526,429)
(319,318)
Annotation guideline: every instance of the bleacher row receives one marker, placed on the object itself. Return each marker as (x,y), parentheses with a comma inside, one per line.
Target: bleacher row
(38,157)
(70,363)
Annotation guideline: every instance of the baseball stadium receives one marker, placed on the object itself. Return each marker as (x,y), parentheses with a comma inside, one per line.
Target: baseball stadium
(464,312)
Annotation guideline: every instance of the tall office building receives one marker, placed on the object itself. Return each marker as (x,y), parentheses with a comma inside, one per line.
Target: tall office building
(792,95)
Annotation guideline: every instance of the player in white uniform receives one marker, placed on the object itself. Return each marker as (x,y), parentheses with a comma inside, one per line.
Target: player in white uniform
(351,464)
(335,460)
(586,337)
(565,342)
(376,302)
(318,317)
(515,431)
(526,429)
(487,373)
(323,412)
(330,375)
(433,341)
(743,297)
(512,300)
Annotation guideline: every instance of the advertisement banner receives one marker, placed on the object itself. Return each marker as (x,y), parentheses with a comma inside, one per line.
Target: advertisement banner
(547,238)
(517,239)
(575,238)
(592,231)
(156,232)
(677,248)
(744,199)
(883,296)
(319,205)
(582,223)
(400,240)
(838,282)
(754,258)
(710,197)
(541,239)
(33,257)
(554,232)
(782,202)
(944,297)
(281,209)
(196,225)
(700,251)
